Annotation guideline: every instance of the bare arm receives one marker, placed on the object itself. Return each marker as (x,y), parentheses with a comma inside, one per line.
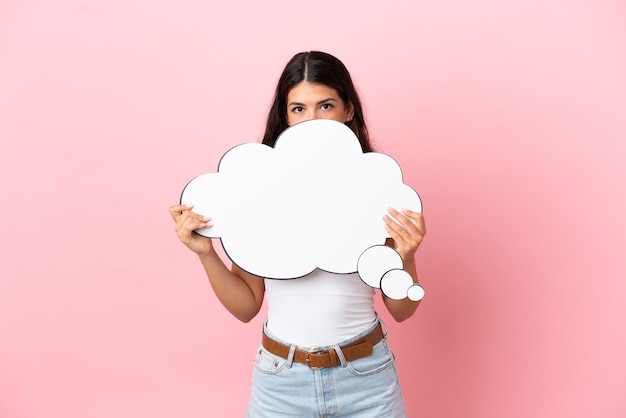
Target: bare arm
(240,293)
(405,239)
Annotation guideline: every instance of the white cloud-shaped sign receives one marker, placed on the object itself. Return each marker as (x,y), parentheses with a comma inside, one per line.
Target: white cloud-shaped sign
(315,200)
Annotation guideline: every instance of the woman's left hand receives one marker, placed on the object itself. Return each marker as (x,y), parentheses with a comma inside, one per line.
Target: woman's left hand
(408,235)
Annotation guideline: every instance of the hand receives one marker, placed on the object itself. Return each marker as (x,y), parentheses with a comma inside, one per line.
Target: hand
(188,221)
(408,235)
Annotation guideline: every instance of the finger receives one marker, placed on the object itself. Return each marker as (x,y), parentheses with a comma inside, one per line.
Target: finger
(419,222)
(177,210)
(413,221)
(407,235)
(182,212)
(394,238)
(188,215)
(398,243)
(185,227)
(396,231)
(403,220)
(410,213)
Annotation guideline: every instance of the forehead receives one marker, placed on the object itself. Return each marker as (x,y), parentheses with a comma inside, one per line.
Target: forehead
(305,91)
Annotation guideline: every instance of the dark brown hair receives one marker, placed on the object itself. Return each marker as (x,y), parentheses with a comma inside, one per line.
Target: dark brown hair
(315,67)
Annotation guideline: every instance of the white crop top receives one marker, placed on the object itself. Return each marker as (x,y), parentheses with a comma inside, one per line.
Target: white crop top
(320,309)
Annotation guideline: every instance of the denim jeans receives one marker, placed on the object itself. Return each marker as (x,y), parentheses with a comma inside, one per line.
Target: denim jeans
(364,388)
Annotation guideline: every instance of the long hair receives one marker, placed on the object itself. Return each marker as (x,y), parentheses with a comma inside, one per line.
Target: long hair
(315,67)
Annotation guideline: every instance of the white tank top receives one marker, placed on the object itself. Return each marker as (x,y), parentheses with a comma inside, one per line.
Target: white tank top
(320,309)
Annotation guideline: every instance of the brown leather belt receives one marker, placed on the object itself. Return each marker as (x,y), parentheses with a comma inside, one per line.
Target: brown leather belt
(317,359)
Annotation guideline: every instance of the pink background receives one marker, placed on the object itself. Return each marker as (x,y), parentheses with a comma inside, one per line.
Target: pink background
(506,116)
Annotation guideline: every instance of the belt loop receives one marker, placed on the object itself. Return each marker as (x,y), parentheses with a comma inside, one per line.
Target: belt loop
(384,327)
(332,357)
(342,358)
(292,351)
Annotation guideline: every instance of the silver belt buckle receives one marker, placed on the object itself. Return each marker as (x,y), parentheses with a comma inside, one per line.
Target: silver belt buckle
(314,350)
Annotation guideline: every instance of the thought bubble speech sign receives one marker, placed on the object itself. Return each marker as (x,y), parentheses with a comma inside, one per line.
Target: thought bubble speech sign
(315,200)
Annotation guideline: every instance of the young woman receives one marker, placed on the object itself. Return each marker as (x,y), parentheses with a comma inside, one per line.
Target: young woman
(323,350)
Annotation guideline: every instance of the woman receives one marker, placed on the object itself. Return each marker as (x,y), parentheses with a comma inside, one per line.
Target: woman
(323,351)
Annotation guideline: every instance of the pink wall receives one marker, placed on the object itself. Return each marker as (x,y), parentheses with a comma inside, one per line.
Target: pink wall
(507,117)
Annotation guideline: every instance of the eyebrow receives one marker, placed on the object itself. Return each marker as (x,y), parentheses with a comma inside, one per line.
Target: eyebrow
(330,99)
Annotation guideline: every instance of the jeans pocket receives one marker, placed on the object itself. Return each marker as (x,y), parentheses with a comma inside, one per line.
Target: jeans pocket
(379,360)
(268,363)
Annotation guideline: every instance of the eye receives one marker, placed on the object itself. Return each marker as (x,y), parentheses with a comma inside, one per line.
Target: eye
(327,106)
(297,109)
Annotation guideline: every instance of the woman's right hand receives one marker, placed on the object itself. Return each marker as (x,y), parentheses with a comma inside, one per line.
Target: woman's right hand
(188,221)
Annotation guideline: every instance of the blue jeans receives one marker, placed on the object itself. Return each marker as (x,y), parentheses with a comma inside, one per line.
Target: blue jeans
(363,388)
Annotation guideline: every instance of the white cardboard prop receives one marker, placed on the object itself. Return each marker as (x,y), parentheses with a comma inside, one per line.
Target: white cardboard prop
(315,200)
